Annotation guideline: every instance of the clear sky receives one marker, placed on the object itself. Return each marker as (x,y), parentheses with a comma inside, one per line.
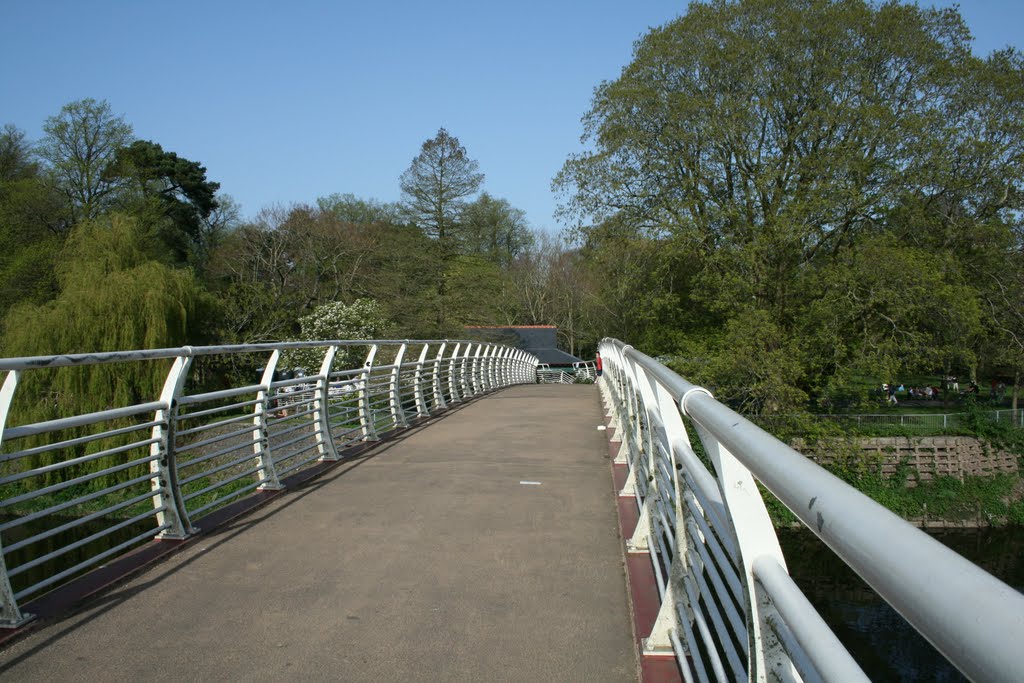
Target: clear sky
(284,102)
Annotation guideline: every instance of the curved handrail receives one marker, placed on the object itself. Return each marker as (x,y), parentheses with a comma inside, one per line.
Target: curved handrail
(972,618)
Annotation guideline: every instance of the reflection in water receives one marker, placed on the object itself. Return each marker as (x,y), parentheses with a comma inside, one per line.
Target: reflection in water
(882,642)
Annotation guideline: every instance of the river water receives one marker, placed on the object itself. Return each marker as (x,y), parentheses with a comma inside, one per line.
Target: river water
(886,647)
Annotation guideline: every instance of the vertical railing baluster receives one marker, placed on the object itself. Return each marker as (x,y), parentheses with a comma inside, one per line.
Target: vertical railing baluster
(421,400)
(322,409)
(439,402)
(454,383)
(397,412)
(167,498)
(267,471)
(366,418)
(10,612)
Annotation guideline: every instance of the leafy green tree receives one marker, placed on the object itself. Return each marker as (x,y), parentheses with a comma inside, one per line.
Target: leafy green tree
(78,144)
(436,185)
(434,192)
(33,218)
(176,187)
(16,157)
(773,144)
(494,229)
(352,209)
(114,295)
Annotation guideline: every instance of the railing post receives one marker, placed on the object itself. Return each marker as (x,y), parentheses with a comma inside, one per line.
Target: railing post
(466,373)
(366,418)
(487,373)
(755,537)
(439,402)
(322,408)
(267,472)
(421,399)
(505,366)
(166,493)
(476,374)
(677,593)
(453,381)
(11,615)
(397,411)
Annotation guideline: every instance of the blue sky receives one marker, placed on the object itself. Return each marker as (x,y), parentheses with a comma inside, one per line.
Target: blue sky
(286,102)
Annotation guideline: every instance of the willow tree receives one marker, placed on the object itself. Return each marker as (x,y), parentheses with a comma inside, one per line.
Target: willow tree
(114,295)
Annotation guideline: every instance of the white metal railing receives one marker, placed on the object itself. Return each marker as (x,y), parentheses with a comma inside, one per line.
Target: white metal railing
(927,420)
(582,372)
(729,610)
(78,489)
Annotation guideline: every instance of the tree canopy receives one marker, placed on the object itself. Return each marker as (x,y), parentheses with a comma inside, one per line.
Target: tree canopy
(835,174)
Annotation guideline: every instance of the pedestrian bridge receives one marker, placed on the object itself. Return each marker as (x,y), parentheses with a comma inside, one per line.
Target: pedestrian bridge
(426,511)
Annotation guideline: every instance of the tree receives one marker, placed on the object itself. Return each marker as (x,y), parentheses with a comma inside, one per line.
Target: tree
(362,319)
(352,209)
(494,229)
(16,156)
(78,144)
(770,143)
(436,185)
(434,190)
(32,220)
(176,186)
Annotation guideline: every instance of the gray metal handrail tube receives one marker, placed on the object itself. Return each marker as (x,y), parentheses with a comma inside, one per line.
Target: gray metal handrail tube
(974,619)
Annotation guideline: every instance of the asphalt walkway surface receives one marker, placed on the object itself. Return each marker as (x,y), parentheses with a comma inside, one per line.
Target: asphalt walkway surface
(481,546)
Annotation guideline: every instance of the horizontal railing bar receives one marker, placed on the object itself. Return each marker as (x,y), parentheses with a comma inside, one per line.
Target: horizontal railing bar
(212,425)
(185,448)
(78,441)
(78,521)
(39,514)
(181,417)
(248,488)
(38,428)
(44,469)
(5,502)
(291,454)
(80,359)
(90,561)
(192,399)
(296,465)
(830,658)
(224,482)
(35,562)
(218,454)
(219,468)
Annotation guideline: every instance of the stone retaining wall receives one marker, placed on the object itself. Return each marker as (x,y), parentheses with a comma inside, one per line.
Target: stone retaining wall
(928,457)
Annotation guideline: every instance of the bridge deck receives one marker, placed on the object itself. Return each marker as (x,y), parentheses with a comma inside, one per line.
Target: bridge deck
(425,559)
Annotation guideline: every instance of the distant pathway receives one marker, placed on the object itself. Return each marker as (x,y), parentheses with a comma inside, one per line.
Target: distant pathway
(428,559)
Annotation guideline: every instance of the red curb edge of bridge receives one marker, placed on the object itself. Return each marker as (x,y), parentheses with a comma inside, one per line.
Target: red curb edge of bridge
(643,587)
(76,594)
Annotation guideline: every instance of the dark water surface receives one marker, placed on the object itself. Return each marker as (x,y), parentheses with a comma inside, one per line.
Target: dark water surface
(882,642)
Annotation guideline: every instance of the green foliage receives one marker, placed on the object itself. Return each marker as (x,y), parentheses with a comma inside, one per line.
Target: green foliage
(78,144)
(113,296)
(834,189)
(178,187)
